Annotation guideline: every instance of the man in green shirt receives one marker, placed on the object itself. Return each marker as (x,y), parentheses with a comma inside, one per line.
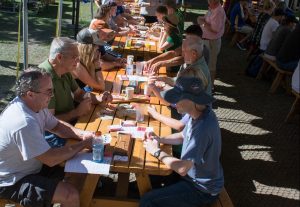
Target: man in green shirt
(63,59)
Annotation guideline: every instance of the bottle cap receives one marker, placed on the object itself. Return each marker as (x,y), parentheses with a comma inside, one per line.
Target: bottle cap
(88,89)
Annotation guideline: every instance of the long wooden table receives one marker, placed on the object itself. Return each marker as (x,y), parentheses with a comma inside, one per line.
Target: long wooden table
(141,53)
(141,163)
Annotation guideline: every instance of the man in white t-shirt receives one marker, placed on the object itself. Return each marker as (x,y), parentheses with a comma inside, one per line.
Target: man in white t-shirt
(28,165)
(269,28)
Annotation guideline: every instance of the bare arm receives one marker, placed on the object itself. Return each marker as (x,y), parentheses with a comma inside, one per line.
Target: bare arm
(173,139)
(173,123)
(179,166)
(175,61)
(56,156)
(82,74)
(66,130)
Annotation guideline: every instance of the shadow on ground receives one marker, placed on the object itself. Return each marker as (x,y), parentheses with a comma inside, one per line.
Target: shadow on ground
(260,152)
(41,26)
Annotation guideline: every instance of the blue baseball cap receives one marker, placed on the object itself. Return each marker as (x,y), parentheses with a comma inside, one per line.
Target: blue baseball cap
(190,88)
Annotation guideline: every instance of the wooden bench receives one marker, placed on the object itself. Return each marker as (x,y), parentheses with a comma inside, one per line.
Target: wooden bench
(294,106)
(281,76)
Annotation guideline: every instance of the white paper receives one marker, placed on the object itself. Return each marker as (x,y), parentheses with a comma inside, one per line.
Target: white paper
(83,163)
(133,78)
(136,132)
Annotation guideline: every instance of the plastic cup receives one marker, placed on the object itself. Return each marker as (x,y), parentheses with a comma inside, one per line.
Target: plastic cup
(139,68)
(139,113)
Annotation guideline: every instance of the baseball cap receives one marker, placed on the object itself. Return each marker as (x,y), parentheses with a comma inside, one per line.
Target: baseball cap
(89,36)
(190,88)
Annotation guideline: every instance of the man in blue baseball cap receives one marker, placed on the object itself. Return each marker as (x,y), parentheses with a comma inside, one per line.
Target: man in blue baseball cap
(199,166)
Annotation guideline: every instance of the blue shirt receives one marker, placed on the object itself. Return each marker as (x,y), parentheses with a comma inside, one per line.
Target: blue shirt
(202,145)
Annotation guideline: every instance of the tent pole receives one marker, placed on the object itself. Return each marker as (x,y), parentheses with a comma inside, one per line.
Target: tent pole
(25,34)
(92,9)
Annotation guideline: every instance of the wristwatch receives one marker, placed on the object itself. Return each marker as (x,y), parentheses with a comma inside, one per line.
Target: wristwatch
(157,153)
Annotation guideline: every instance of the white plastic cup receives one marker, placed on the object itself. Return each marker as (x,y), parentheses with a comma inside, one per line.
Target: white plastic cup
(129,92)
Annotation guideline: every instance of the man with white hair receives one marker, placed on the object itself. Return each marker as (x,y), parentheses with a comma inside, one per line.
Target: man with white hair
(192,52)
(174,57)
(63,59)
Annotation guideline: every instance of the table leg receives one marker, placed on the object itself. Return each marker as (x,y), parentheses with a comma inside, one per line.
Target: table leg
(143,182)
(88,189)
(122,186)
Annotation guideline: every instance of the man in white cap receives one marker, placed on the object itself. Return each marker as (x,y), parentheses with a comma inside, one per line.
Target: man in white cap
(199,166)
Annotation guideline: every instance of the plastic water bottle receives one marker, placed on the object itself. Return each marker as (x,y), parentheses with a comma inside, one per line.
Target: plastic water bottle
(88,91)
(98,149)
(129,69)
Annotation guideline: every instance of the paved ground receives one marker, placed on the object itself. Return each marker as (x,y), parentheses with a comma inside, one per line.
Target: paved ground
(260,152)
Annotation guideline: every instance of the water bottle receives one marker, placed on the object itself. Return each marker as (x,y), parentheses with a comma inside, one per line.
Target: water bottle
(87,90)
(98,149)
(129,69)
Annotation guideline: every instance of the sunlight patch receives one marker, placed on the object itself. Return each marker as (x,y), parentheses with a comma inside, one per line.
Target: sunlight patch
(239,122)
(251,146)
(257,155)
(289,193)
(225,98)
(220,83)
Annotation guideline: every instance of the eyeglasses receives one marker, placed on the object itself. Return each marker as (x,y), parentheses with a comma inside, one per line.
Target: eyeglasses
(71,56)
(49,92)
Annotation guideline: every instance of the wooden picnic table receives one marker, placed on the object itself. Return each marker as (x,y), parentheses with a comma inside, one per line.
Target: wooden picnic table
(141,163)
(140,53)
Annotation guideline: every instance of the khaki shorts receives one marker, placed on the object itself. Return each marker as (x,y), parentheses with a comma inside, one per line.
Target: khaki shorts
(214,47)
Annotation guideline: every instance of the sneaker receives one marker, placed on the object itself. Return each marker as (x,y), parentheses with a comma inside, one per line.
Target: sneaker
(240,46)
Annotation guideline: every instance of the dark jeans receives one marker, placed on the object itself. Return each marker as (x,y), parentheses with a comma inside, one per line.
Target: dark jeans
(289,66)
(183,194)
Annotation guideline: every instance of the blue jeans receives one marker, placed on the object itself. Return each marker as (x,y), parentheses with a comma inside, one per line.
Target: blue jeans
(289,66)
(183,194)
(53,140)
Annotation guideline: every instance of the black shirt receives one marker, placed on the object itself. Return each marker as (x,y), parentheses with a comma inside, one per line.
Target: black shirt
(290,50)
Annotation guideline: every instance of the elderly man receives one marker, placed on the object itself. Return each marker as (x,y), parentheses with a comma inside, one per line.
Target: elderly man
(63,59)
(213,26)
(174,57)
(199,166)
(24,151)
(192,52)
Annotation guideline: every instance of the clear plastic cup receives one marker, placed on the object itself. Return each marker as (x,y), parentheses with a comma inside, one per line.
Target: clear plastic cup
(139,68)
(139,113)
